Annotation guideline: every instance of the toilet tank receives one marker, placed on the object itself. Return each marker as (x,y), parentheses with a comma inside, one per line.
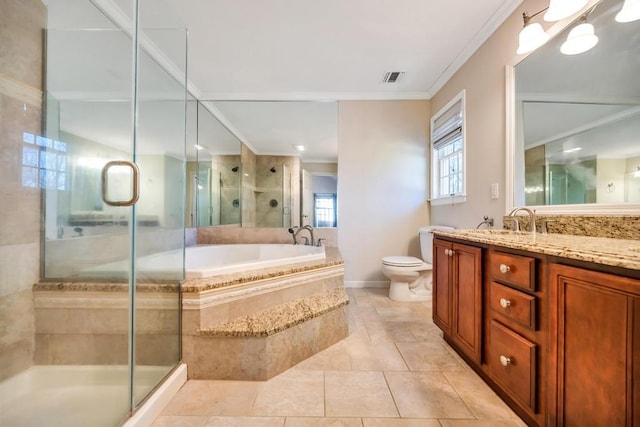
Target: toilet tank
(426,241)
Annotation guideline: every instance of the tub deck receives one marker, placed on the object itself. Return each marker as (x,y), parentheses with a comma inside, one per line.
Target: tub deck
(255,324)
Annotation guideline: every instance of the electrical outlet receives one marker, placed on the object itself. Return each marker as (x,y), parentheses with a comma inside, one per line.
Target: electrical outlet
(495,191)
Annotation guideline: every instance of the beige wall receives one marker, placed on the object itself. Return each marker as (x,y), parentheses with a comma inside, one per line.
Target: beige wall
(382,185)
(21,24)
(483,78)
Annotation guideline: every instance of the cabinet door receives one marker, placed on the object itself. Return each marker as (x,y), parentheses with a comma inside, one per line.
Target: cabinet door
(597,340)
(442,285)
(467,299)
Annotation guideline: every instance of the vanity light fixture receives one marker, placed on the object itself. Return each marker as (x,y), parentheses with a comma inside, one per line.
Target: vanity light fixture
(636,174)
(560,9)
(580,39)
(630,11)
(532,36)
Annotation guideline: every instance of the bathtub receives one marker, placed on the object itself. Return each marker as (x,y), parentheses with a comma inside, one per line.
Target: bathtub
(210,260)
(214,260)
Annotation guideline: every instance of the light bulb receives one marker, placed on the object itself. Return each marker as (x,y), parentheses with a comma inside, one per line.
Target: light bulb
(531,37)
(580,39)
(560,9)
(630,11)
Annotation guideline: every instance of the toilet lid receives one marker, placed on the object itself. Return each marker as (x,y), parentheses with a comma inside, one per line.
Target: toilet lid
(402,261)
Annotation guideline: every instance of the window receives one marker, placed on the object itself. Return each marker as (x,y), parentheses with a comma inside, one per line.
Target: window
(447,153)
(325,210)
(44,162)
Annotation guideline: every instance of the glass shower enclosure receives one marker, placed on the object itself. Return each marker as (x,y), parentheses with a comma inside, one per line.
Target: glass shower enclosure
(111,169)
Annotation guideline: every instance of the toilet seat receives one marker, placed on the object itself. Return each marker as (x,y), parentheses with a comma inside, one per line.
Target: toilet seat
(402,261)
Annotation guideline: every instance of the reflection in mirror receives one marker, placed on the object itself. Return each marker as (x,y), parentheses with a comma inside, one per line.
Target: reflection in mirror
(578,119)
(273,192)
(213,171)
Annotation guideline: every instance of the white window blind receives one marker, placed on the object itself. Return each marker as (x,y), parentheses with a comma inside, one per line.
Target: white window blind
(447,141)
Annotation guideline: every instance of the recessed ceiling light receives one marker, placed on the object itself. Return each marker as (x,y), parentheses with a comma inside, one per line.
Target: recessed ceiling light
(572,150)
(199,147)
(299,147)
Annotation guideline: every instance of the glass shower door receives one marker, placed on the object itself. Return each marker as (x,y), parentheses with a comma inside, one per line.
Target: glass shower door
(83,329)
(160,138)
(112,164)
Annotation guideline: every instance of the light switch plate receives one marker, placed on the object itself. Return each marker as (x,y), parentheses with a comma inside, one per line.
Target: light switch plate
(495,191)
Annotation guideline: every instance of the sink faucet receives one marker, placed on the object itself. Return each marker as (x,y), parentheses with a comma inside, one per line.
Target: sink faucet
(532,218)
(295,230)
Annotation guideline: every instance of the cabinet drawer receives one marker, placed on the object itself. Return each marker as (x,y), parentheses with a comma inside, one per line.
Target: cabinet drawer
(513,269)
(512,361)
(513,304)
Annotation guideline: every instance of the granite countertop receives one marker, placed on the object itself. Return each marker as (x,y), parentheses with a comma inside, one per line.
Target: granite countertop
(332,258)
(276,319)
(601,250)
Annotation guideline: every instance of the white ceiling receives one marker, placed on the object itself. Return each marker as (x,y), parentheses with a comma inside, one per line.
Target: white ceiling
(331,49)
(272,50)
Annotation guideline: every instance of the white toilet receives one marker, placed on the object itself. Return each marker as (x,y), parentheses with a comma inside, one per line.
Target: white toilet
(410,276)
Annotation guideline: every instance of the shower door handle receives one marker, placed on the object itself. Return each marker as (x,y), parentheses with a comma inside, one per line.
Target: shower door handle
(135,194)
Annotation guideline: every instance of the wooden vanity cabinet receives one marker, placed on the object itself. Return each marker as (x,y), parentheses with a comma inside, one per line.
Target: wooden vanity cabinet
(515,339)
(457,295)
(557,339)
(596,348)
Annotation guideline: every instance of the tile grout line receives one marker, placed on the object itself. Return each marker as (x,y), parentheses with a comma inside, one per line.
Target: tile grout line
(460,396)
(384,375)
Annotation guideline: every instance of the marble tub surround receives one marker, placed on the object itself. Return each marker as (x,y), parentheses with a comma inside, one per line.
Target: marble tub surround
(276,319)
(88,323)
(234,235)
(258,358)
(332,258)
(611,226)
(254,325)
(600,250)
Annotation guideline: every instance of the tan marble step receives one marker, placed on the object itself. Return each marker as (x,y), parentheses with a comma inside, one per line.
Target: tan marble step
(280,317)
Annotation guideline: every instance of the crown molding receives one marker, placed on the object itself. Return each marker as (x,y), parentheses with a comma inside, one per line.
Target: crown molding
(497,19)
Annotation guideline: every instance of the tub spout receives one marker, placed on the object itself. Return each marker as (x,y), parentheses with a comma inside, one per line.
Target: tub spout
(295,230)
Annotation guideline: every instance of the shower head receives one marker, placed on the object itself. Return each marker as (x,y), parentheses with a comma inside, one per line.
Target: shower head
(273,170)
(235,169)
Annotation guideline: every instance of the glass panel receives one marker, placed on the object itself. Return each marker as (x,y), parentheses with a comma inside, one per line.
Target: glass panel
(159,213)
(88,123)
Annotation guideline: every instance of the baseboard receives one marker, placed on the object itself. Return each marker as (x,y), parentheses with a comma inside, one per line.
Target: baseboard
(154,405)
(366,284)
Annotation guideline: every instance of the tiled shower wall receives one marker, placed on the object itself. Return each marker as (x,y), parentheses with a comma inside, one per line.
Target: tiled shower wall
(21,63)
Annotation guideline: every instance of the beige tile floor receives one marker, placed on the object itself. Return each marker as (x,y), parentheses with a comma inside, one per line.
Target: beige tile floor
(394,370)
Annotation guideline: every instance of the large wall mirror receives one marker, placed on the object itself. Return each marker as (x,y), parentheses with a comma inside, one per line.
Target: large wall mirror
(576,136)
(262,164)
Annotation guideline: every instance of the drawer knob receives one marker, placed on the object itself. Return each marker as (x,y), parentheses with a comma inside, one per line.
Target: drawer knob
(505,302)
(505,361)
(504,268)
(449,252)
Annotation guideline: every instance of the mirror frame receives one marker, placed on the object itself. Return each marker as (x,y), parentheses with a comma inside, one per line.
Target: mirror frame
(510,140)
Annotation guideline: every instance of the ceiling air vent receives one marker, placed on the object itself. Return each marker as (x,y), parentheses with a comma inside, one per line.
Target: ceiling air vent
(392,76)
